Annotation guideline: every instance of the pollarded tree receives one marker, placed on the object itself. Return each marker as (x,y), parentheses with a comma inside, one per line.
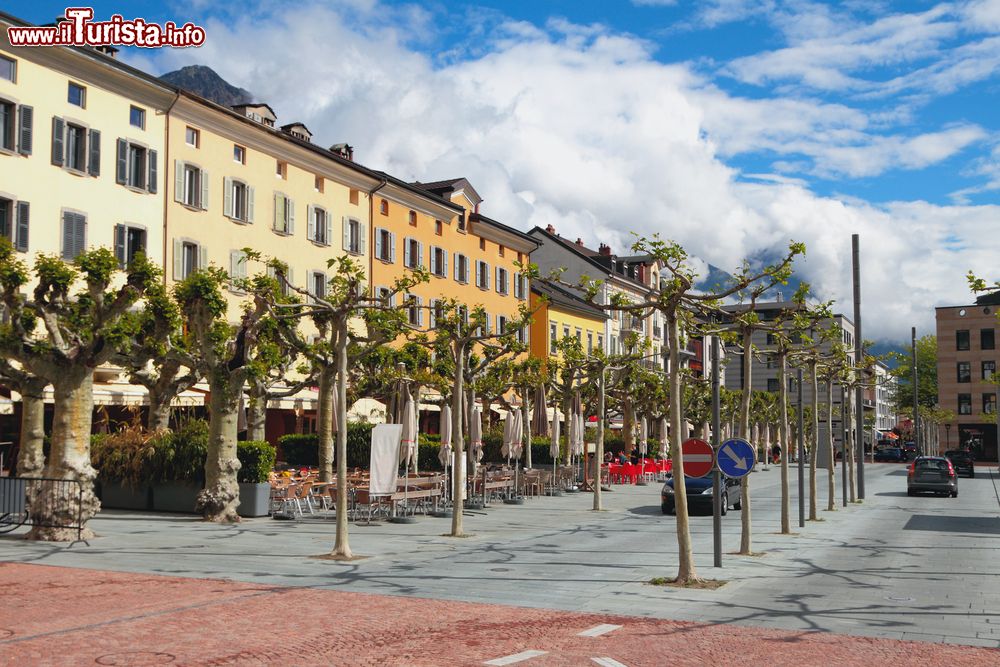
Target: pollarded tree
(527,375)
(567,367)
(72,322)
(153,356)
(462,338)
(677,300)
(30,453)
(226,355)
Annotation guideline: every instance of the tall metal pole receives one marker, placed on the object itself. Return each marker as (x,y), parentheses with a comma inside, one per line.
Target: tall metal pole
(916,397)
(716,444)
(859,408)
(802,459)
(844,428)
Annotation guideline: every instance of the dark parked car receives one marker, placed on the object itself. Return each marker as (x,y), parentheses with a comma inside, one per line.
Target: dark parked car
(910,448)
(699,494)
(932,473)
(894,454)
(962,461)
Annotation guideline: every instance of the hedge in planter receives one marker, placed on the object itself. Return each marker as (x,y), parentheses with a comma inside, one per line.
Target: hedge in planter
(256,461)
(302,449)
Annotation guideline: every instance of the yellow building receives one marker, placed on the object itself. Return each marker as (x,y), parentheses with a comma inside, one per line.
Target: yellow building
(559,314)
(81,152)
(471,258)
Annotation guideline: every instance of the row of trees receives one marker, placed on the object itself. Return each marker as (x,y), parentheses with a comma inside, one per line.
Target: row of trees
(79,316)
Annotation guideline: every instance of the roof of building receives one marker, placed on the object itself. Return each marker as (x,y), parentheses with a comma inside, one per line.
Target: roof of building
(593,257)
(478,217)
(450,185)
(564,298)
(289,126)
(988,299)
(246,105)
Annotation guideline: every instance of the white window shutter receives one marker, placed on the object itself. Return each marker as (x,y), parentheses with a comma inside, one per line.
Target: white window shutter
(278,221)
(486,275)
(406,251)
(420,254)
(444,258)
(496,280)
(378,243)
(234,264)
(250,193)
(227,197)
(392,247)
(420,311)
(290,275)
(363,235)
(457,277)
(479,274)
(290,211)
(432,320)
(178,181)
(203,178)
(310,222)
(433,261)
(202,257)
(347,233)
(328,239)
(178,259)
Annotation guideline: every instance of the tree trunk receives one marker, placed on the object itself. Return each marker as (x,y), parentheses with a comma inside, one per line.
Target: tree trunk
(599,454)
(525,416)
(567,410)
(257,412)
(814,440)
(66,504)
(783,439)
(745,517)
(686,571)
(324,421)
(158,418)
(849,442)
(31,456)
(218,501)
(341,547)
(831,463)
(458,443)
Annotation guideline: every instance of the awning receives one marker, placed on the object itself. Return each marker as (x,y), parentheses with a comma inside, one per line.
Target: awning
(367,410)
(120,393)
(304,399)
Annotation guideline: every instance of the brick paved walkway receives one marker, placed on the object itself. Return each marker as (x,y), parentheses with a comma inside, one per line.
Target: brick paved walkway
(64,616)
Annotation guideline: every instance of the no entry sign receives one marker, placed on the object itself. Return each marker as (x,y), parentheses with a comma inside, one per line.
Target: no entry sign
(698,457)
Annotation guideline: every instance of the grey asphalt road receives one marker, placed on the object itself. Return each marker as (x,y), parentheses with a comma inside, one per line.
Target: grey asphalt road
(922,568)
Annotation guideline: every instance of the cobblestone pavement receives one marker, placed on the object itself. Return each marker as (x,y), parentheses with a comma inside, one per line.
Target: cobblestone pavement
(71,616)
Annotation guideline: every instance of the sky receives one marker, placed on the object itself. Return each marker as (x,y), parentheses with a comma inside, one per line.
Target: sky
(730,126)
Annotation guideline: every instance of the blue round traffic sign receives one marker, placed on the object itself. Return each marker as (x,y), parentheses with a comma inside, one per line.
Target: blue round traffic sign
(735,457)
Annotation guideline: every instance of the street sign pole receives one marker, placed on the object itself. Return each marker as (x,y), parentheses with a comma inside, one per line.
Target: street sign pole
(859,351)
(802,457)
(716,443)
(844,429)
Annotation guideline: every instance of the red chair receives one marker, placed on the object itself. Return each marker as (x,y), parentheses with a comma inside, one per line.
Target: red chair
(615,473)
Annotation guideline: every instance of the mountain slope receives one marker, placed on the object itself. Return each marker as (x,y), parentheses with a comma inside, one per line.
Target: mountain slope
(204,81)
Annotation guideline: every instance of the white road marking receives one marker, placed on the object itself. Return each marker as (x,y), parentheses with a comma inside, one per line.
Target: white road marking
(598,630)
(517,657)
(608,662)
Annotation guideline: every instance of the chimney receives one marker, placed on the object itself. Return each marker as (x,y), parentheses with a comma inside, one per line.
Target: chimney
(345,151)
(604,250)
(550,229)
(779,297)
(579,241)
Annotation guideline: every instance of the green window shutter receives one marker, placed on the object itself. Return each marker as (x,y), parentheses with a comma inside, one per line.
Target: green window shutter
(120,250)
(25,122)
(151,182)
(21,233)
(58,141)
(121,171)
(94,148)
(290,214)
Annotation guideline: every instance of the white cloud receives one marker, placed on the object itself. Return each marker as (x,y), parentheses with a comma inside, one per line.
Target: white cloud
(581,128)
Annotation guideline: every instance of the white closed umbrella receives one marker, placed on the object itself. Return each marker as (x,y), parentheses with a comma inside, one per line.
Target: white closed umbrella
(507,446)
(643,436)
(444,455)
(578,434)
(554,446)
(517,435)
(664,445)
(476,436)
(408,442)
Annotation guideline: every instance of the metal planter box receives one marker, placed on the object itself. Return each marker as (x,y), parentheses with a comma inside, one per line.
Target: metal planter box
(115,495)
(254,499)
(175,497)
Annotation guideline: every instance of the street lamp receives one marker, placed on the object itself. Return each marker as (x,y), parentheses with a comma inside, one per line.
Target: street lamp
(947,436)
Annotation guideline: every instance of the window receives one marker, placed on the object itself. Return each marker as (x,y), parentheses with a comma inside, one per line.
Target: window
(239,154)
(461,268)
(501,324)
(989,368)
(7,114)
(190,185)
(987,340)
(414,313)
(77,95)
(412,217)
(520,287)
(439,262)
(482,275)
(136,166)
(461,222)
(772,384)
(284,214)
(438,228)
(74,234)
(964,371)
(129,240)
(319,184)
(482,244)
(14,223)
(965,404)
(8,69)
(771,339)
(600,342)
(962,339)
(436,312)
(281,170)
(76,147)
(354,236)
(385,245)
(565,331)
(354,197)
(192,137)
(989,404)
(590,342)
(188,258)
(238,200)
(552,338)
(501,249)
(237,269)
(501,283)
(317,284)
(383,207)
(319,226)
(579,336)
(384,295)
(137,117)
(522,335)
(413,253)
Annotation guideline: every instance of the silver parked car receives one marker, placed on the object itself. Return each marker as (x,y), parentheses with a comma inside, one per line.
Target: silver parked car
(934,474)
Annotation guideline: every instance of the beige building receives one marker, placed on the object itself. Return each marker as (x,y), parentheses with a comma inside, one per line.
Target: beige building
(81,152)
(966,362)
